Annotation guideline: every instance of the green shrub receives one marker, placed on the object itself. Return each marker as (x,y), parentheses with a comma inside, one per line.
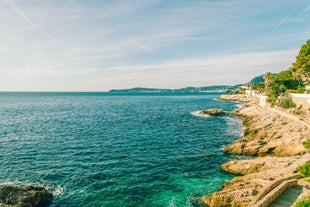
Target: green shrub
(287,102)
(303,203)
(307,144)
(240,91)
(301,89)
(292,91)
(304,170)
(272,100)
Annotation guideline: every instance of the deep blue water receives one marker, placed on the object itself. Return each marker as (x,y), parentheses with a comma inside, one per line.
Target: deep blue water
(115,150)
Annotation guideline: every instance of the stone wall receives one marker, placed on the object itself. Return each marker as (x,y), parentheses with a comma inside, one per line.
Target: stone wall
(301,99)
(276,192)
(259,98)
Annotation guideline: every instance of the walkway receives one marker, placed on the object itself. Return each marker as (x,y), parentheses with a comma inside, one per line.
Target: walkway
(294,117)
(288,197)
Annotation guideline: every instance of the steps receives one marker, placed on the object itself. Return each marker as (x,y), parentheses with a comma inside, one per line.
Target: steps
(288,197)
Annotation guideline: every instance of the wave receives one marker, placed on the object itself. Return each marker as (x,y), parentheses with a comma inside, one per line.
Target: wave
(172,202)
(56,190)
(234,126)
(197,113)
(240,105)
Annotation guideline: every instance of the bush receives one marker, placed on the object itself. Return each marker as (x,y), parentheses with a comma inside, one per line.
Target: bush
(292,91)
(304,170)
(287,102)
(240,91)
(303,203)
(272,100)
(307,144)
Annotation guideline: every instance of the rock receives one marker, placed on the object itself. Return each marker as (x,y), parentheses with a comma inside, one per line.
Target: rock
(212,112)
(268,132)
(235,97)
(30,196)
(259,164)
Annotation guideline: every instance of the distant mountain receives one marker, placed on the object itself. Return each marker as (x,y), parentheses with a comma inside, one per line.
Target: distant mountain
(187,89)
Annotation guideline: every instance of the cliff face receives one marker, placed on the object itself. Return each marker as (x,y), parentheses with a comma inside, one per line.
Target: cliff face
(274,136)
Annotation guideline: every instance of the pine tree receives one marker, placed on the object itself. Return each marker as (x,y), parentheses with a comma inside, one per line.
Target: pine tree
(301,67)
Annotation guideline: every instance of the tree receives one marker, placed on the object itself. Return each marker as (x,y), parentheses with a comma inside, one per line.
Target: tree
(301,67)
(293,79)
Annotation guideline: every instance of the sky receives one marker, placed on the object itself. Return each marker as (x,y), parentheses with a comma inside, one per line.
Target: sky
(98,45)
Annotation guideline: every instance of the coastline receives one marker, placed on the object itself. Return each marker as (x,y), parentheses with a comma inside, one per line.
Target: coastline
(274,139)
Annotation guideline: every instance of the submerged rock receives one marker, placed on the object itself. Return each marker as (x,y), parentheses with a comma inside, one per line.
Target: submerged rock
(212,112)
(30,196)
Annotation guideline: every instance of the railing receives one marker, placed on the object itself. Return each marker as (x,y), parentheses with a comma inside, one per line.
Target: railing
(300,95)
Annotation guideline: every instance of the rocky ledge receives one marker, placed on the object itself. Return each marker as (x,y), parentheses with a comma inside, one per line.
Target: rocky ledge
(212,112)
(236,97)
(268,132)
(30,196)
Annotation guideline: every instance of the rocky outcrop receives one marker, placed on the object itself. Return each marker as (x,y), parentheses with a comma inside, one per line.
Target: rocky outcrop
(30,196)
(267,132)
(260,164)
(235,97)
(212,112)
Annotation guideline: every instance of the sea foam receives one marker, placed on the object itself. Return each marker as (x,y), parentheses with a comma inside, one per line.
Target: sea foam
(197,113)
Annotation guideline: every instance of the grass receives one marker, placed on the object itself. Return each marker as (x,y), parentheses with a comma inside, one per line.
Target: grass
(307,144)
(303,203)
(304,170)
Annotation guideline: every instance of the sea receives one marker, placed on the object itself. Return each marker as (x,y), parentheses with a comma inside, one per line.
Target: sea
(116,149)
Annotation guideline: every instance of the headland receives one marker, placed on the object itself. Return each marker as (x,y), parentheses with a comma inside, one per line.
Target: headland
(275,140)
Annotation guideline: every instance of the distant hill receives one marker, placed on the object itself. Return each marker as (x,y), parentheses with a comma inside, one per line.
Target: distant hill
(187,89)
(259,79)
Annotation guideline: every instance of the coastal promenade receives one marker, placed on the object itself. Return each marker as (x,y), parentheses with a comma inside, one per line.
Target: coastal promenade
(276,137)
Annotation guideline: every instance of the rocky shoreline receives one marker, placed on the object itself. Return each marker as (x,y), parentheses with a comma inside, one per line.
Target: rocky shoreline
(273,136)
(29,196)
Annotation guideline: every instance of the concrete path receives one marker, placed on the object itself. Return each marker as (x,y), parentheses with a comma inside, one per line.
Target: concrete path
(294,117)
(288,197)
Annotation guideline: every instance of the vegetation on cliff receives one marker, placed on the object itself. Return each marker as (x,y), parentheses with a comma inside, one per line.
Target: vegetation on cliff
(304,170)
(292,80)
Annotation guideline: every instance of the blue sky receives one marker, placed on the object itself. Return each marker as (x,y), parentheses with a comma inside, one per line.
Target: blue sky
(98,45)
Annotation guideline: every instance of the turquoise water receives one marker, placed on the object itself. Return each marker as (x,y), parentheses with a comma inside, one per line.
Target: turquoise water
(97,149)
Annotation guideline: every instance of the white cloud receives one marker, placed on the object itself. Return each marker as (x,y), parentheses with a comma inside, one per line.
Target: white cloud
(18,11)
(305,10)
(118,44)
(228,69)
